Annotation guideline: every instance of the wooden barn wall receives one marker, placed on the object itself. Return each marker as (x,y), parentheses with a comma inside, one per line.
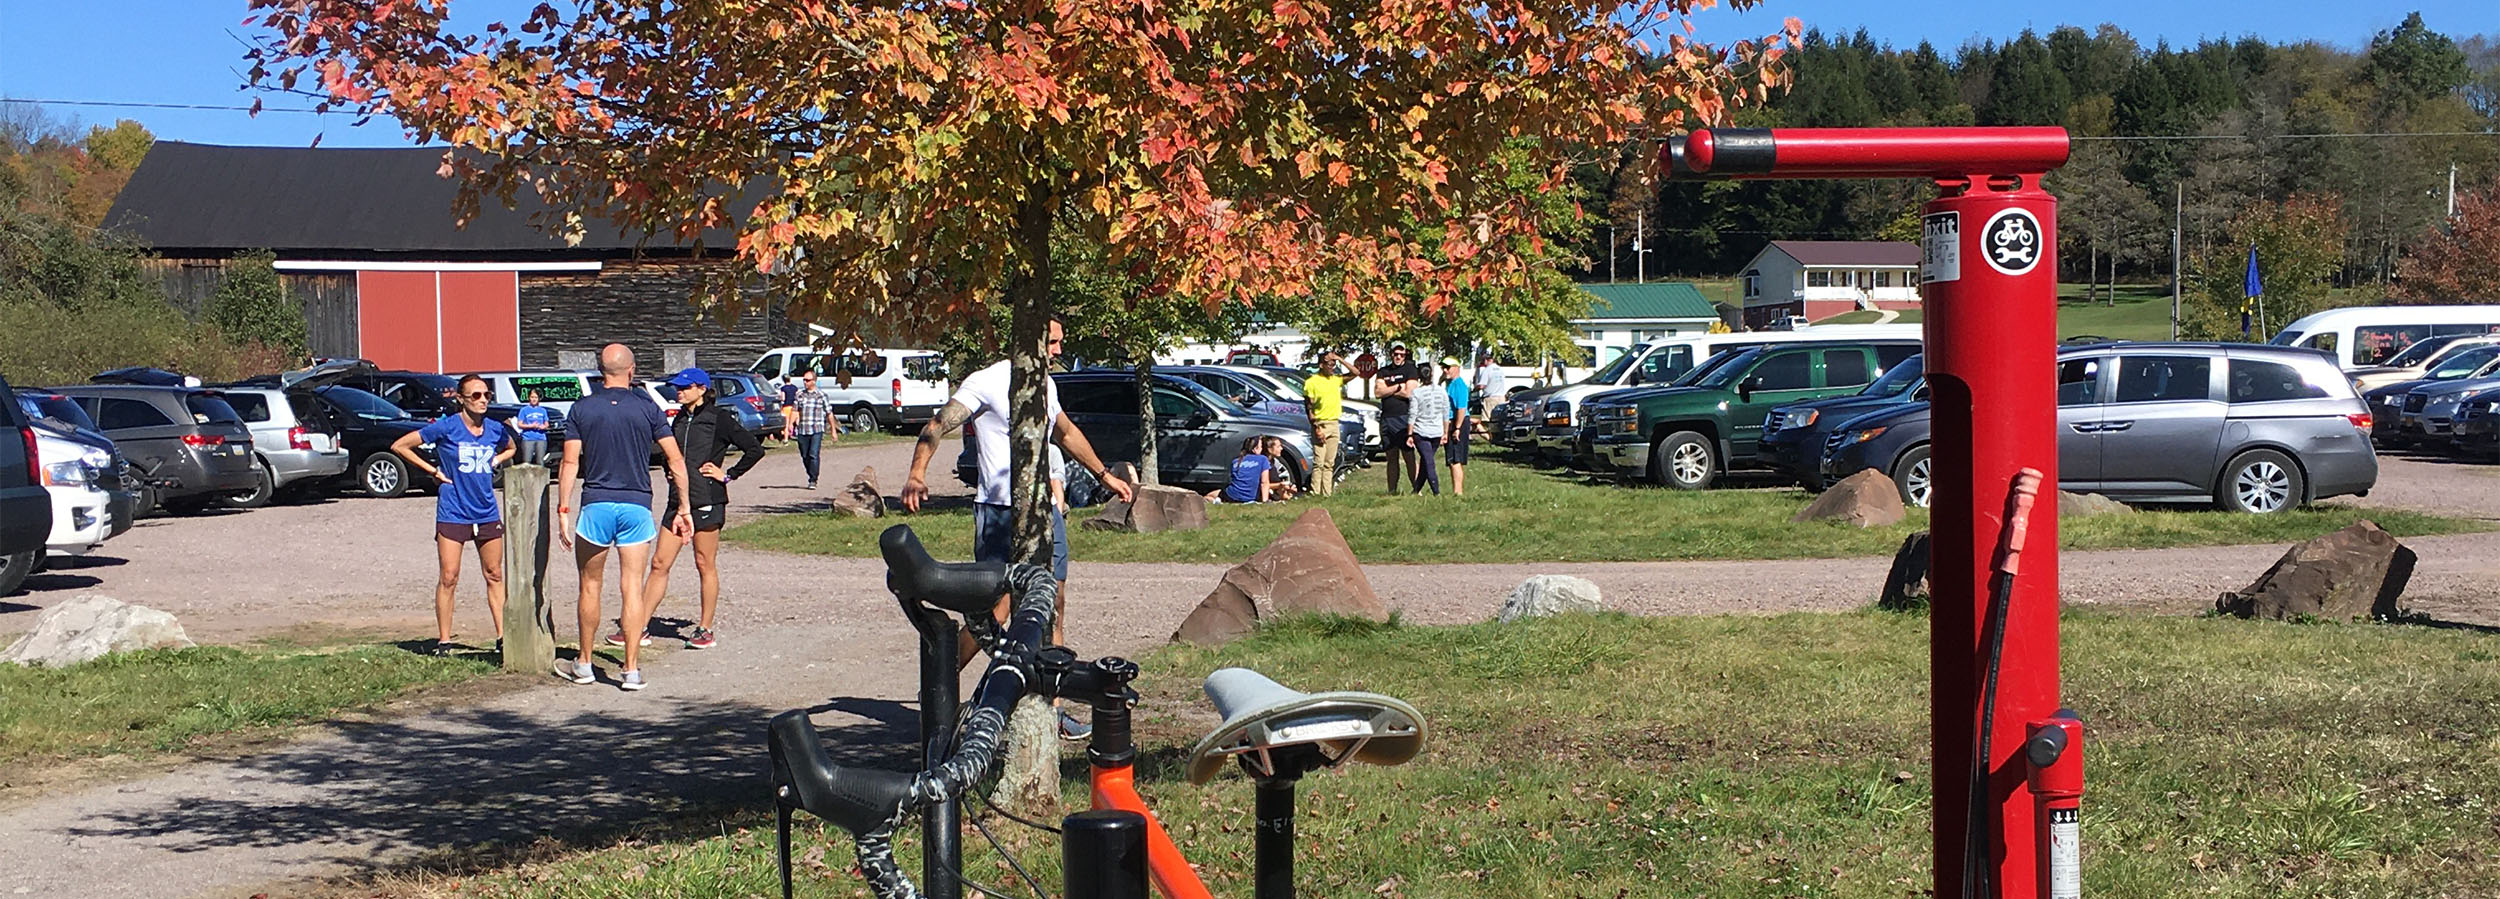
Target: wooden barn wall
(328,299)
(567,316)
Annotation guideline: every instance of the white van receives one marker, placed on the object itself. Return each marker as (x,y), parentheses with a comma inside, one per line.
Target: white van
(1658,362)
(2366,336)
(889,387)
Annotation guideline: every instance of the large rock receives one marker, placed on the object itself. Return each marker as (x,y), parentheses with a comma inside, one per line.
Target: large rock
(90,626)
(860,498)
(1868,499)
(1308,568)
(1550,594)
(2355,572)
(1906,586)
(1154,509)
(2085,505)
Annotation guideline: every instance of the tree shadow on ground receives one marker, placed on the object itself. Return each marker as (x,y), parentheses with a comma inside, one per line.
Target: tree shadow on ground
(472,779)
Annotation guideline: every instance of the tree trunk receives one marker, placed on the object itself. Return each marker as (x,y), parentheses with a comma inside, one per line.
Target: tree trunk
(1149,469)
(1030,779)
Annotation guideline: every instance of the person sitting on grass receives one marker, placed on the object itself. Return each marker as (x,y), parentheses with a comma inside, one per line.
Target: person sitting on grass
(1252,475)
(1280,484)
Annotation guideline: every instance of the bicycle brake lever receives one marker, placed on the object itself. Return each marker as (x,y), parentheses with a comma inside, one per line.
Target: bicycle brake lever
(858,800)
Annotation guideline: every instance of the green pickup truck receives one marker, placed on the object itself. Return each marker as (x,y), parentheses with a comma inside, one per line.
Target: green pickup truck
(1684,437)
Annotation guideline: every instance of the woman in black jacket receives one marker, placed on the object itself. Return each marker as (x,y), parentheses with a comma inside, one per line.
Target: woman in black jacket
(705,432)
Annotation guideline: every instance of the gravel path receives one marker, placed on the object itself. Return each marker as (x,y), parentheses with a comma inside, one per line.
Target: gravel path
(797,631)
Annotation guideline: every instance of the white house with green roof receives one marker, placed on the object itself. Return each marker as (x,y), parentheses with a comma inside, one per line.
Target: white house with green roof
(1624,314)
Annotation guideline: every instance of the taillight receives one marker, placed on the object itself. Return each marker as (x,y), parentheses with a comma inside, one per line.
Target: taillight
(2362,420)
(34,462)
(299,438)
(203,440)
(898,393)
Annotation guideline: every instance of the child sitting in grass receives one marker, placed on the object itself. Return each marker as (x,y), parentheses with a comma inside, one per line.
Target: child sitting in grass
(1280,484)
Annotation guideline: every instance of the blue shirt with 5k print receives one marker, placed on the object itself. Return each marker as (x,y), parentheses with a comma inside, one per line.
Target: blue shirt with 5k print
(469,459)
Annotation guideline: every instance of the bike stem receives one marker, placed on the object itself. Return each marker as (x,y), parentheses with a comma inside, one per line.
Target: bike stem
(941,701)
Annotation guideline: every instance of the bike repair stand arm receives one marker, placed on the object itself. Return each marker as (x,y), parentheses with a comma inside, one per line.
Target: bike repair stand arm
(941,700)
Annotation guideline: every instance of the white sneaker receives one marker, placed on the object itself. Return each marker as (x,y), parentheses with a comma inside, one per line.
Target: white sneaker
(578,672)
(631,680)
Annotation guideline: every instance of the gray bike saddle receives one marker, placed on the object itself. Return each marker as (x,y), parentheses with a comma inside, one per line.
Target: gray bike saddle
(1261,715)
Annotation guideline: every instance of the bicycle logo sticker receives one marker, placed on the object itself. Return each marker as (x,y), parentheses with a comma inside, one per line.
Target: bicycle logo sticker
(2013,242)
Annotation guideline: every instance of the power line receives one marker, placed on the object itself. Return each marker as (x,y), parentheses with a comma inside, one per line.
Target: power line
(2339,135)
(128,105)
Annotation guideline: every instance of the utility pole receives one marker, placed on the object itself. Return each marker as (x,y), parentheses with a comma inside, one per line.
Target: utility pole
(2178,218)
(1640,253)
(2452,190)
(1613,249)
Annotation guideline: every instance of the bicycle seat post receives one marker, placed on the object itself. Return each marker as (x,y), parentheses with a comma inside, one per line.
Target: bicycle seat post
(1273,844)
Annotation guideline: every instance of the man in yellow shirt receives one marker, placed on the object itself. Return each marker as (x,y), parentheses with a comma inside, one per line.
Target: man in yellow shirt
(1323,397)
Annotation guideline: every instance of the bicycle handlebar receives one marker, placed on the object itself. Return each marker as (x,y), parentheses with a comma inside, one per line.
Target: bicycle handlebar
(872,804)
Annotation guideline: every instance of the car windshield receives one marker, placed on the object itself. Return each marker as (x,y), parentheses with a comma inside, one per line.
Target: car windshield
(2421,351)
(53,405)
(1722,370)
(364,404)
(2465,363)
(1284,388)
(2288,337)
(1614,370)
(1899,378)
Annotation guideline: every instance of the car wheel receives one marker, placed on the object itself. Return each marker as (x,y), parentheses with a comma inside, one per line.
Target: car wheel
(264,489)
(1684,460)
(2260,482)
(382,474)
(864,420)
(14,569)
(1915,476)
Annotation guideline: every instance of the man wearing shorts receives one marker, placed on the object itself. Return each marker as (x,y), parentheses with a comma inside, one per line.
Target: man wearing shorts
(468,447)
(1455,443)
(608,445)
(982,402)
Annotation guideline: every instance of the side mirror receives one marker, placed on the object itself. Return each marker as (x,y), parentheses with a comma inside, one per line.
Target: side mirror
(1920,395)
(1198,419)
(1746,387)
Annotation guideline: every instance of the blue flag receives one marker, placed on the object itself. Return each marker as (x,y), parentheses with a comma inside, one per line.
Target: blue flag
(2253,287)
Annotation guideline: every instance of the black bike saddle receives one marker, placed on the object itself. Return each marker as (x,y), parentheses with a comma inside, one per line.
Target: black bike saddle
(964,588)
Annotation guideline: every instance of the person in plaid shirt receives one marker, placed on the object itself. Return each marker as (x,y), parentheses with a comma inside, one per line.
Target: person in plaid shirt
(814,413)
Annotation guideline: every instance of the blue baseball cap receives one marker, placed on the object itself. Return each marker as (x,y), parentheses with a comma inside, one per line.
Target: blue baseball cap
(692,377)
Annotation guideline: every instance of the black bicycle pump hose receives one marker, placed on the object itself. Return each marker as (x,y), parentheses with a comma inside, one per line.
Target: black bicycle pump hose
(2026,489)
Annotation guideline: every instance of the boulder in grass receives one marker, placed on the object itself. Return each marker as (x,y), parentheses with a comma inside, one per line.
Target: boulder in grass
(1550,594)
(1153,509)
(1307,569)
(91,626)
(1223,617)
(2356,572)
(1905,586)
(860,498)
(1868,499)
(2085,505)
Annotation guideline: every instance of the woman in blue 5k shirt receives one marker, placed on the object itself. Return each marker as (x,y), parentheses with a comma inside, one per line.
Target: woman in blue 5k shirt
(468,447)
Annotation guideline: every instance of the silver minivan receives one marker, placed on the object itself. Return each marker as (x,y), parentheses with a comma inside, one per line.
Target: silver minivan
(286,447)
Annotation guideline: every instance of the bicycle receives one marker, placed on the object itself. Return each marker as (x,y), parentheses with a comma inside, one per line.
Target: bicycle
(1273,733)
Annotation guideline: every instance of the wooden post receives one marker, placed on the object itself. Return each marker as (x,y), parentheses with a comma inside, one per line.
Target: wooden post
(529,633)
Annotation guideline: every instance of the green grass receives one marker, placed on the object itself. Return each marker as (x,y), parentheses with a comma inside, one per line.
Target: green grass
(1749,757)
(173,700)
(1515,514)
(1868,317)
(2141,312)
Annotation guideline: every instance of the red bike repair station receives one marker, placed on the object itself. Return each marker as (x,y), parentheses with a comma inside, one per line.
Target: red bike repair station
(2008,768)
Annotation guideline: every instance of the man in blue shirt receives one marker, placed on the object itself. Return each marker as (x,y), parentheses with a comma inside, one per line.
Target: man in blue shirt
(608,444)
(467,449)
(531,421)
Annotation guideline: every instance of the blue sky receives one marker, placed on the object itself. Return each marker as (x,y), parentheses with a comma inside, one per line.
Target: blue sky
(188,52)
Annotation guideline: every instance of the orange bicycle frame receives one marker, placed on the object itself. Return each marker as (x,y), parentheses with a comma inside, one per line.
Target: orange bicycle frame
(1115,787)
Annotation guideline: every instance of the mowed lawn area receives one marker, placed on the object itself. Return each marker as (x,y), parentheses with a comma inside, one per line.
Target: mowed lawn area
(1513,513)
(1787,756)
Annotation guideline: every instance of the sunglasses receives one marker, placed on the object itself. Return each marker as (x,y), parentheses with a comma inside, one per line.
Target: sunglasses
(473,396)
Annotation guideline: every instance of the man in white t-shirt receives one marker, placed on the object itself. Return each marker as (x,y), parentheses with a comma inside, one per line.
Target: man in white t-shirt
(1491,386)
(982,403)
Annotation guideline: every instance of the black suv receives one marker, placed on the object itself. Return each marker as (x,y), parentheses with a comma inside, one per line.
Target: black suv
(25,507)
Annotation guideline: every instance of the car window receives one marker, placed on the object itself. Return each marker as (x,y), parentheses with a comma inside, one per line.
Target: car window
(1098,397)
(728,387)
(1785,371)
(1723,370)
(2257,381)
(2461,330)
(1664,365)
(1897,376)
(2375,344)
(2154,379)
(306,408)
(251,407)
(2078,382)
(57,406)
(1844,368)
(863,365)
(211,410)
(2459,365)
(925,368)
(362,404)
(116,413)
(1170,403)
(2421,352)
(801,363)
(769,366)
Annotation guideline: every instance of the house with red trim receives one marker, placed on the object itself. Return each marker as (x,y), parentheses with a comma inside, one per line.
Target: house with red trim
(1819,279)
(367,242)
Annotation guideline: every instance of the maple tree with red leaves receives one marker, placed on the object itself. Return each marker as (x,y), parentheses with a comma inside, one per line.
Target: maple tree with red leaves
(2457,260)
(903,162)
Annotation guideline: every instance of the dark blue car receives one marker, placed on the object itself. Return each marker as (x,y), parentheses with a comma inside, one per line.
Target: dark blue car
(1793,435)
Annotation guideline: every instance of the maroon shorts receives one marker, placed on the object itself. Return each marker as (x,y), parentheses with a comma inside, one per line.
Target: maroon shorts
(469,533)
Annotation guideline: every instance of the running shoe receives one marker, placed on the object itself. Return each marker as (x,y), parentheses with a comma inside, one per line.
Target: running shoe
(1072,730)
(631,680)
(701,638)
(578,672)
(617,638)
